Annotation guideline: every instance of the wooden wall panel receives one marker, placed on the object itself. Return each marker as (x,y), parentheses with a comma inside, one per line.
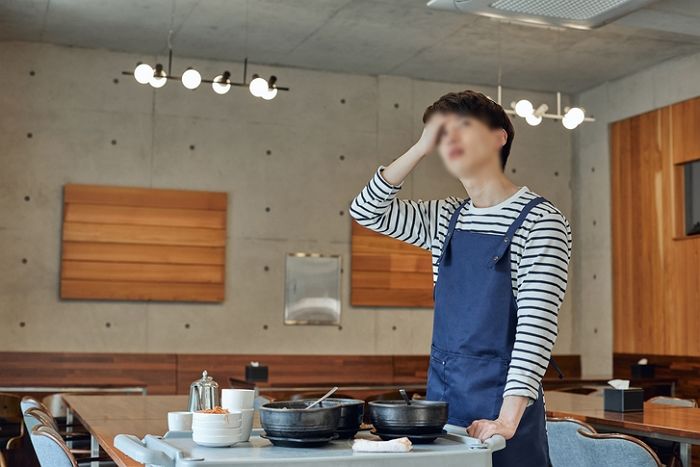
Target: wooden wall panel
(656,280)
(389,272)
(156,372)
(143,244)
(173,373)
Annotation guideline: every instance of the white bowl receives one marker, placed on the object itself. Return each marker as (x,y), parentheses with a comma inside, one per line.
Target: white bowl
(215,419)
(246,424)
(215,441)
(237,399)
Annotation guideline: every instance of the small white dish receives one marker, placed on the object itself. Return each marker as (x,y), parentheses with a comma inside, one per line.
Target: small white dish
(179,421)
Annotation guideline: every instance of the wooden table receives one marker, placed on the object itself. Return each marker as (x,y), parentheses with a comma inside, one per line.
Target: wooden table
(107,416)
(656,421)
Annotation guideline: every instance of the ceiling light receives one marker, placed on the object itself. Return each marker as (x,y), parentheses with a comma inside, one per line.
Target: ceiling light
(569,123)
(258,86)
(523,108)
(575,115)
(191,79)
(143,73)
(269,94)
(533,119)
(222,83)
(159,78)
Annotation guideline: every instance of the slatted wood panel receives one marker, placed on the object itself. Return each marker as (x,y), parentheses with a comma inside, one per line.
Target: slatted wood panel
(388,272)
(656,293)
(156,372)
(173,373)
(145,244)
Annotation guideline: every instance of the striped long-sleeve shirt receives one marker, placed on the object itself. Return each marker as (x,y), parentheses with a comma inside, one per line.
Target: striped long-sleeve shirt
(539,257)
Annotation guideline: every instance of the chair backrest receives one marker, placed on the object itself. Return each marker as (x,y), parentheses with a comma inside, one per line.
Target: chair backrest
(29,402)
(50,448)
(616,449)
(565,446)
(675,401)
(10,409)
(34,416)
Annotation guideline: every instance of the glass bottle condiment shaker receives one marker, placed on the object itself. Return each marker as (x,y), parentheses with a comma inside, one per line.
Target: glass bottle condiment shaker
(204,393)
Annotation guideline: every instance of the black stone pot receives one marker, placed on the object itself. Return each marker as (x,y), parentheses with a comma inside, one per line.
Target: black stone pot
(351,414)
(291,419)
(396,417)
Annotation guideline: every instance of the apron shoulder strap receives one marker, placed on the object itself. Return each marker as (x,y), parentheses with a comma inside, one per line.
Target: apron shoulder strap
(517,223)
(451,229)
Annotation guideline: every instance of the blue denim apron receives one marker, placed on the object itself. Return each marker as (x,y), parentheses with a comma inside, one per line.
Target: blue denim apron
(473,336)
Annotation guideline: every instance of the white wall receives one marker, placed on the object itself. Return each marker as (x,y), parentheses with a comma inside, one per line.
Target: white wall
(74,110)
(658,86)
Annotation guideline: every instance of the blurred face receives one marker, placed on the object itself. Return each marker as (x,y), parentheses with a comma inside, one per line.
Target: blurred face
(468,146)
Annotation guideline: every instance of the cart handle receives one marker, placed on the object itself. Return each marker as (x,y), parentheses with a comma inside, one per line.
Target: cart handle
(496,442)
(137,450)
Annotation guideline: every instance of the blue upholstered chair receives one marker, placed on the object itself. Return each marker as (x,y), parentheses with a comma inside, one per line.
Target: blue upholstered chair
(50,448)
(565,446)
(614,449)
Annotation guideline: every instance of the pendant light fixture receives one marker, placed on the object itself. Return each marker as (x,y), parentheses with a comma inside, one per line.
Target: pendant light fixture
(157,76)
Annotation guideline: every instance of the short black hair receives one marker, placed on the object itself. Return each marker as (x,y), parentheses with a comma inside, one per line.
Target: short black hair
(477,105)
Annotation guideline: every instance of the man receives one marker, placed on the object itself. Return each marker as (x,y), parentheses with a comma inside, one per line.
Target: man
(500,261)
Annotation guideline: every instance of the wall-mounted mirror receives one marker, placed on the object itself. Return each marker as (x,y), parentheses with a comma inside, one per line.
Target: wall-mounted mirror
(312,289)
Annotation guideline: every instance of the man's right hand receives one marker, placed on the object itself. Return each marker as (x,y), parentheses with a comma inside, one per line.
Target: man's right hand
(431,134)
(397,171)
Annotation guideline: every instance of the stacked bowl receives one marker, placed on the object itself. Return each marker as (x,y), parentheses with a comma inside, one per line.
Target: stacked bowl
(216,429)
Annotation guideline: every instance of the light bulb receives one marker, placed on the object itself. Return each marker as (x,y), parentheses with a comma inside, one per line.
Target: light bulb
(191,79)
(533,119)
(158,78)
(523,108)
(575,115)
(258,86)
(269,94)
(569,123)
(221,84)
(143,73)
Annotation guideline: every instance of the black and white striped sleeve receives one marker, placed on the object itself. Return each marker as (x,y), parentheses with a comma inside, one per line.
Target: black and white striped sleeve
(541,284)
(378,209)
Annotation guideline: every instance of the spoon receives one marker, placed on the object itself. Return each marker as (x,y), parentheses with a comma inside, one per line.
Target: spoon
(323,398)
(405,396)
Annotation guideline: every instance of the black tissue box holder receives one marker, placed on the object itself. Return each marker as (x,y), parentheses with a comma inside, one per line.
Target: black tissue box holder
(255,373)
(623,400)
(638,371)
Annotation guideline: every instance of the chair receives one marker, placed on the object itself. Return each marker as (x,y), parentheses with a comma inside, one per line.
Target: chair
(50,448)
(669,451)
(565,447)
(675,401)
(616,449)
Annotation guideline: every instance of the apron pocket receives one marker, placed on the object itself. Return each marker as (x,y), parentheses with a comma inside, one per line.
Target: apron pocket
(436,376)
(474,387)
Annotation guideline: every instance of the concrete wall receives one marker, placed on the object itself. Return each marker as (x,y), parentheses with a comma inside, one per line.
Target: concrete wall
(661,85)
(303,155)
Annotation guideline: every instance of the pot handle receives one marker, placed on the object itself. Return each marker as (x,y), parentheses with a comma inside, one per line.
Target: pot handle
(496,442)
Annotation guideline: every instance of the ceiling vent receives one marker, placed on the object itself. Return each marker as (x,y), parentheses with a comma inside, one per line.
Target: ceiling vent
(579,14)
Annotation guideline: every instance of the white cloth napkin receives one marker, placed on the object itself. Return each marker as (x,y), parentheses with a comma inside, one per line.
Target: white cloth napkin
(395,445)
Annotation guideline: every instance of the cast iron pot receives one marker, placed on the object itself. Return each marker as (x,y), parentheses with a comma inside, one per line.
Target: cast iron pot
(291,419)
(351,414)
(396,417)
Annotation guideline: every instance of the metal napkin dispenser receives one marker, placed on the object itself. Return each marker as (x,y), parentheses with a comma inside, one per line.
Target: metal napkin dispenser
(623,400)
(256,373)
(204,393)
